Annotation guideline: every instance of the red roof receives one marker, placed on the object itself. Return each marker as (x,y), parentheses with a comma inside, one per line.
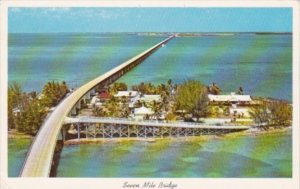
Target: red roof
(104,95)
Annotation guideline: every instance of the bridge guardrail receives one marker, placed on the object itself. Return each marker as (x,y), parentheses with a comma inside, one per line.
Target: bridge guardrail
(153,122)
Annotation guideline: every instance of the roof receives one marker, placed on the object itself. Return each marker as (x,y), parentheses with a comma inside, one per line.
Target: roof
(16,110)
(143,110)
(126,93)
(231,98)
(150,98)
(104,95)
(94,99)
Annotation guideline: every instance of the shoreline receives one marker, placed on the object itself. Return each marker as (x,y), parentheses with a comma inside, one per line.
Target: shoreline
(247,133)
(14,134)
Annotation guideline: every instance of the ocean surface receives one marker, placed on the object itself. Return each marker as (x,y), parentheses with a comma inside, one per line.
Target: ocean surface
(265,156)
(261,64)
(259,156)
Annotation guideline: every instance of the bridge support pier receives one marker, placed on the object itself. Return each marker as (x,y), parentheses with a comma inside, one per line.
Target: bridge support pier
(95,133)
(78,131)
(63,134)
(92,92)
(73,111)
(86,132)
(87,96)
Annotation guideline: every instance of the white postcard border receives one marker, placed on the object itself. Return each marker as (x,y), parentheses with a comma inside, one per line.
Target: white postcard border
(117,183)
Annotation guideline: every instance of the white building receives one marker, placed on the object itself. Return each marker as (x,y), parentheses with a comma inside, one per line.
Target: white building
(144,98)
(142,112)
(95,102)
(242,112)
(16,111)
(150,98)
(233,98)
(129,94)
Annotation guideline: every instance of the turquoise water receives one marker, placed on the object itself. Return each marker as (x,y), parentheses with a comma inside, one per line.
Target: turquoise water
(34,59)
(244,156)
(262,64)
(261,156)
(17,150)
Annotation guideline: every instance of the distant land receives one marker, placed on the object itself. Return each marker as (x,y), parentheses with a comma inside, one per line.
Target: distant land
(196,34)
(179,34)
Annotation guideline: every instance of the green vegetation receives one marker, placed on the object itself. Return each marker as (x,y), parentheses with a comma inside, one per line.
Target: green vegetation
(113,107)
(214,89)
(145,88)
(115,87)
(272,114)
(15,100)
(191,96)
(26,111)
(162,89)
(189,101)
(53,92)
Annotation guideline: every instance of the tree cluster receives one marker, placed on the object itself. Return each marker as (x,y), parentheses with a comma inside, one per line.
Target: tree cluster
(115,87)
(272,114)
(53,92)
(113,107)
(192,97)
(161,89)
(26,111)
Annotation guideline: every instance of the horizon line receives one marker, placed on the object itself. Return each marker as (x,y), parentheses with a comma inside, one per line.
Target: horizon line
(164,32)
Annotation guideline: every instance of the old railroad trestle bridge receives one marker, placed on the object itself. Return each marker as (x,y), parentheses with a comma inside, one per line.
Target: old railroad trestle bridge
(103,127)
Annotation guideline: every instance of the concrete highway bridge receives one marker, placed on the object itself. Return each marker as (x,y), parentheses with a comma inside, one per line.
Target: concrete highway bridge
(39,158)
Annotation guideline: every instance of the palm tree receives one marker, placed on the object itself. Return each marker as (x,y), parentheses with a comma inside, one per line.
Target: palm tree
(214,89)
(240,91)
(156,107)
(138,104)
(170,86)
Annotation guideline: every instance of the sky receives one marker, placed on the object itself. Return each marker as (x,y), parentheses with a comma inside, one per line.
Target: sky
(52,20)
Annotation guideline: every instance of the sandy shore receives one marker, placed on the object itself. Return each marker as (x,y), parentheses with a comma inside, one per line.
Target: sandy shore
(257,132)
(250,132)
(15,134)
(107,140)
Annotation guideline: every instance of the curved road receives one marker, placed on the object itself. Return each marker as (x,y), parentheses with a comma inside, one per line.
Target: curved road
(39,158)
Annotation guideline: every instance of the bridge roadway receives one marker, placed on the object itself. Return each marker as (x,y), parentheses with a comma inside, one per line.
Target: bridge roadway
(39,158)
(124,121)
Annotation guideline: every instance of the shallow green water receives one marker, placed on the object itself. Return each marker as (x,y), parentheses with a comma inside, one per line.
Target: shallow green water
(244,156)
(260,156)
(17,150)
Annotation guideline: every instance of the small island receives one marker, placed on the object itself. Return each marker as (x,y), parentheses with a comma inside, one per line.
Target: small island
(190,102)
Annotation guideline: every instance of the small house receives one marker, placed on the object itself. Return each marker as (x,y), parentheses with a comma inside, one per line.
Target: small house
(239,112)
(142,113)
(128,94)
(103,96)
(147,99)
(231,98)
